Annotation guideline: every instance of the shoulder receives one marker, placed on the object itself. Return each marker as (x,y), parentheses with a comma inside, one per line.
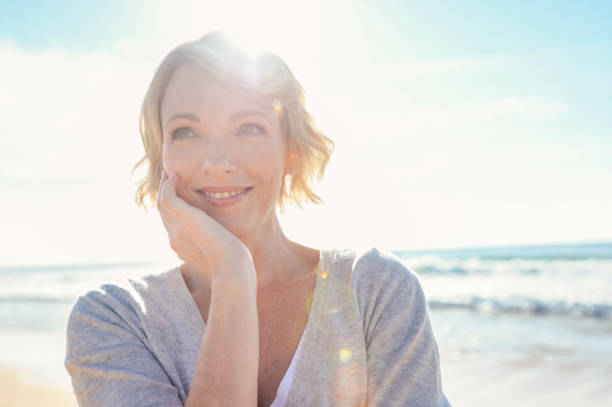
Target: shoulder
(384,284)
(379,269)
(376,276)
(117,353)
(389,294)
(124,299)
(370,265)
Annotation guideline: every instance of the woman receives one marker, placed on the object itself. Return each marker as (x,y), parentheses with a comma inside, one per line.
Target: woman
(250,317)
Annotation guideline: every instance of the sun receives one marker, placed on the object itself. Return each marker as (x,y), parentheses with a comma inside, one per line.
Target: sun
(291,29)
(266,24)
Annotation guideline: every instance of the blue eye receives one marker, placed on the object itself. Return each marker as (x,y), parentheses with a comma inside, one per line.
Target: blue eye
(182,133)
(251,129)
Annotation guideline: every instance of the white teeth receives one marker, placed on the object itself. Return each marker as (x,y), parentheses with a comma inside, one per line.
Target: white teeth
(220,195)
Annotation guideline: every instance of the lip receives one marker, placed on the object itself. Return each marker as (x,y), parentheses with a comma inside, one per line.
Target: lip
(224,202)
(225,188)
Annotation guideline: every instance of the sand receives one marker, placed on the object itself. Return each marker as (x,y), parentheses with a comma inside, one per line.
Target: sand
(17,390)
(530,382)
(469,382)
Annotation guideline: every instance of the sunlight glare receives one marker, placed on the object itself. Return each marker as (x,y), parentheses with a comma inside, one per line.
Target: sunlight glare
(279,26)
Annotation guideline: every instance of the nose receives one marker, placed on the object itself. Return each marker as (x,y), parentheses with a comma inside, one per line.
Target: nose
(216,160)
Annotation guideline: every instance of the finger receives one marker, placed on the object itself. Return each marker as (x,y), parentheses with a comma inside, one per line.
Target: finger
(173,203)
(165,196)
(162,179)
(166,218)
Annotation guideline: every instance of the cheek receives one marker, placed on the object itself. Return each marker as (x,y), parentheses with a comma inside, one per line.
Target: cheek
(269,166)
(269,157)
(177,160)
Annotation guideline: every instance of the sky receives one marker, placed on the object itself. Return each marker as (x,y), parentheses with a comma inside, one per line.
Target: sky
(462,124)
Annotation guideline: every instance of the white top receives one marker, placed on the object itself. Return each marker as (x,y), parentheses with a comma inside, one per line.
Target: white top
(283,388)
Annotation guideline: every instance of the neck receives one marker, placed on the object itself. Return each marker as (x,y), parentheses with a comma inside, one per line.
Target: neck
(277,259)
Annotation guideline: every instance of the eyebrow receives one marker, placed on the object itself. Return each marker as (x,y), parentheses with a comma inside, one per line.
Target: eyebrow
(188,116)
(236,116)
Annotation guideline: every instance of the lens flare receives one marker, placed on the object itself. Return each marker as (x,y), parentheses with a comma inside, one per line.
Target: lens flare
(345,355)
(277,106)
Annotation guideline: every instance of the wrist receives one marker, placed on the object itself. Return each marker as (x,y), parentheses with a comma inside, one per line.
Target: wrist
(238,273)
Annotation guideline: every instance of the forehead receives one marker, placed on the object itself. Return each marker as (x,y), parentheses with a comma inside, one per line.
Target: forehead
(192,89)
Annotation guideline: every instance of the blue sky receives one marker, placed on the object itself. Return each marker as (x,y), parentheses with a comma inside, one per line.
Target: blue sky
(457,124)
(75,26)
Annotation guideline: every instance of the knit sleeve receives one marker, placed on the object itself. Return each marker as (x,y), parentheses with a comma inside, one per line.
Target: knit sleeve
(108,360)
(402,353)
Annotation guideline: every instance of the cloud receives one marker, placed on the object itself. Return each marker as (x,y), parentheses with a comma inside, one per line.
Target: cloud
(67,115)
(430,67)
(69,140)
(413,119)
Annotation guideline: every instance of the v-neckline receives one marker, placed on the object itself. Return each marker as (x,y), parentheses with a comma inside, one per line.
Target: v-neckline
(194,310)
(282,392)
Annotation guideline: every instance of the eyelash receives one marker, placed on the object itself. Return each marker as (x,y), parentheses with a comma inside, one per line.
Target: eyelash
(257,126)
(175,134)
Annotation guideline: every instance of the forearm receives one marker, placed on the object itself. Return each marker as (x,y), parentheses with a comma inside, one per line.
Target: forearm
(227,366)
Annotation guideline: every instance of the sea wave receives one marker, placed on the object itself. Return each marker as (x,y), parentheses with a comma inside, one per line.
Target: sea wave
(37,298)
(569,252)
(525,306)
(52,285)
(432,265)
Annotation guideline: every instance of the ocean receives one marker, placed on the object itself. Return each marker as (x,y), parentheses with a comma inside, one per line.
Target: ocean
(539,312)
(503,305)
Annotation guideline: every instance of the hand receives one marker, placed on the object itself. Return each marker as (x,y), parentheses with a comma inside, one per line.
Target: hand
(197,238)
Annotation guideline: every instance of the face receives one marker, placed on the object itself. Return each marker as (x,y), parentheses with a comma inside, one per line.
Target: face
(228,150)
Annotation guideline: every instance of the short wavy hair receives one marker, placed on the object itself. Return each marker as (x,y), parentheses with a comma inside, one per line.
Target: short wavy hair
(264,76)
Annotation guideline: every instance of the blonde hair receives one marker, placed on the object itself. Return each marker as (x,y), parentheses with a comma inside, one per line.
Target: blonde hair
(263,76)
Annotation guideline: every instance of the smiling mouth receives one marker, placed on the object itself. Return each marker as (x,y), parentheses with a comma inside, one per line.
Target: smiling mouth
(224,198)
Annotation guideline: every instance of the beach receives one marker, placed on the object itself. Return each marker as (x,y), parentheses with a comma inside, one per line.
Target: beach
(532,382)
(467,381)
(517,327)
(18,390)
